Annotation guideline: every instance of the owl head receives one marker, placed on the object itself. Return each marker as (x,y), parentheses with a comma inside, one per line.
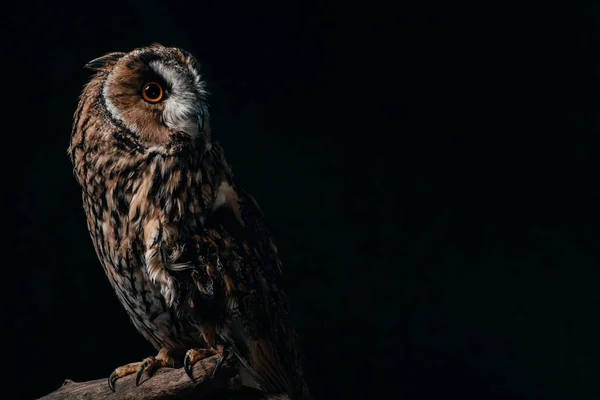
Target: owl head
(156,93)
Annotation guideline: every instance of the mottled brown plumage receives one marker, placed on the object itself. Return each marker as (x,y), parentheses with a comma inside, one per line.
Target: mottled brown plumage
(184,247)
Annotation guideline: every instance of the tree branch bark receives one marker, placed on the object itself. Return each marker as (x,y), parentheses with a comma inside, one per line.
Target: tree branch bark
(165,383)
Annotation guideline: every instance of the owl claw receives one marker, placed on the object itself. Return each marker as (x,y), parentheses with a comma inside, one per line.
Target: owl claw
(111,380)
(220,363)
(140,370)
(187,367)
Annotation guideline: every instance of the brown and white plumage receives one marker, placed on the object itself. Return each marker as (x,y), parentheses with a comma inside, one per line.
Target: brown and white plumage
(185,248)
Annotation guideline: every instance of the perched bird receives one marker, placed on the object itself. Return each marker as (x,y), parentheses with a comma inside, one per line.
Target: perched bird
(183,245)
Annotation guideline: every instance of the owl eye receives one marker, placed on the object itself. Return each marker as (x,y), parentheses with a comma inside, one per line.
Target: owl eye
(152,92)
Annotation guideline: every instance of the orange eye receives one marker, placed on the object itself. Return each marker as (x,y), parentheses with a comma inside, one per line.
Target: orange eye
(152,92)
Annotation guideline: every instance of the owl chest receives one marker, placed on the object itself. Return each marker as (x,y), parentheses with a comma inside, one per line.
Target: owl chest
(123,262)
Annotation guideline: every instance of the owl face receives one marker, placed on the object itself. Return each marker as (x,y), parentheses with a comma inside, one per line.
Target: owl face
(155,92)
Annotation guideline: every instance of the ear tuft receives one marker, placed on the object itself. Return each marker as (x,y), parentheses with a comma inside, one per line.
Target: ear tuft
(105,62)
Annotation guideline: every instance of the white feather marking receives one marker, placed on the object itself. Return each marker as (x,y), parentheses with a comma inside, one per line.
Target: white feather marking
(183,109)
(198,82)
(112,109)
(181,266)
(168,291)
(226,195)
(157,149)
(223,194)
(156,263)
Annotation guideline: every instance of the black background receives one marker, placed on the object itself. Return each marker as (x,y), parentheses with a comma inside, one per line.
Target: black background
(429,172)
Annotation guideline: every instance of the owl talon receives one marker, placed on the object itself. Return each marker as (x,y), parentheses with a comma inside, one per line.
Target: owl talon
(187,367)
(111,381)
(220,363)
(147,362)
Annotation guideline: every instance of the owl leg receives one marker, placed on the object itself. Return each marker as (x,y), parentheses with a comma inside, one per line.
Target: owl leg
(150,364)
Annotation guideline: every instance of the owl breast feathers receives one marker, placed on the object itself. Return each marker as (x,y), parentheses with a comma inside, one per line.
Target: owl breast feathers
(184,247)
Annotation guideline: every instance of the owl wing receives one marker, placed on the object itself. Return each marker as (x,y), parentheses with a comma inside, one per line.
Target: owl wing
(231,289)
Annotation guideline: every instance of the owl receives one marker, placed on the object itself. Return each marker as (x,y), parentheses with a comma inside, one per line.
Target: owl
(184,247)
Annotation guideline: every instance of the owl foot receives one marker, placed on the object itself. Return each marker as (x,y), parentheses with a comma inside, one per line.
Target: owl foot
(149,365)
(192,356)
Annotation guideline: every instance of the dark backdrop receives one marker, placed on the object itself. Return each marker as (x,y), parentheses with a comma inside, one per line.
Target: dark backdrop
(430,174)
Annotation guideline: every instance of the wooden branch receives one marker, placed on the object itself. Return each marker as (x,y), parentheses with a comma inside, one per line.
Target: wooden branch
(165,383)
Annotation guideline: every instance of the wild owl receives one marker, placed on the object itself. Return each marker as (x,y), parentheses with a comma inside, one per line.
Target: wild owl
(184,247)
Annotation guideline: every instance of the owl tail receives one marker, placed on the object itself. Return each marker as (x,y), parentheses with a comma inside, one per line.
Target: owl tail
(261,358)
(266,363)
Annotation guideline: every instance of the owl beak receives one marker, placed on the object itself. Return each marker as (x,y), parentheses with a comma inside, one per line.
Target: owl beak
(193,127)
(190,123)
